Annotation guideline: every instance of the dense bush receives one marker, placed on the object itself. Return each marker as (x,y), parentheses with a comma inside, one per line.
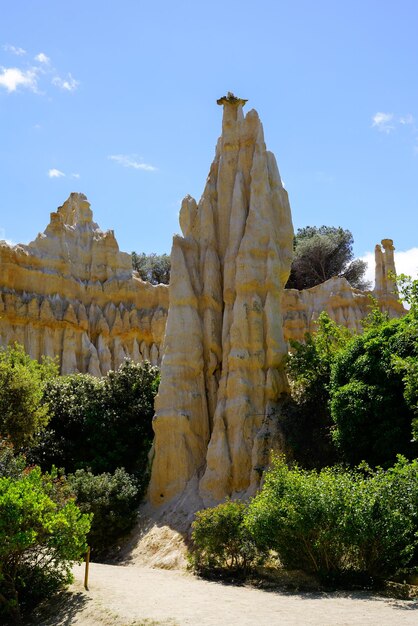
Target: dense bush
(220,539)
(22,380)
(306,418)
(100,424)
(113,500)
(337,521)
(42,533)
(372,398)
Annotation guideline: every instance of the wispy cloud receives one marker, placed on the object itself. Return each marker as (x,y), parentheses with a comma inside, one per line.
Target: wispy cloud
(11,78)
(387,122)
(35,75)
(383,122)
(42,58)
(66,84)
(19,52)
(132,161)
(407,119)
(54,173)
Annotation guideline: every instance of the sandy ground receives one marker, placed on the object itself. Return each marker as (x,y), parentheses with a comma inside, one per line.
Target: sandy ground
(132,595)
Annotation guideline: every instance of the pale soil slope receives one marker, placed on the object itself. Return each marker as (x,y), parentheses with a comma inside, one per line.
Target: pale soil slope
(123,595)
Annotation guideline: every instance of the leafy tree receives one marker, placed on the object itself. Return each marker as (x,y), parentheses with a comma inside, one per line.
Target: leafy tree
(154,268)
(42,533)
(373,396)
(306,420)
(113,500)
(22,380)
(324,252)
(75,404)
(101,424)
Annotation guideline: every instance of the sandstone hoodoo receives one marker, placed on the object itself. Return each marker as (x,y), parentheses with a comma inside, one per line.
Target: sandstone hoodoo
(222,374)
(71,293)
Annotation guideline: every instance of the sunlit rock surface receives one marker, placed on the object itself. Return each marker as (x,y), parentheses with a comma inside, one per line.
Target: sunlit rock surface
(222,374)
(72,294)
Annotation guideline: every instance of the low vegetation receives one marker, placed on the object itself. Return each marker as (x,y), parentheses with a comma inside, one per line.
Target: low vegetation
(98,431)
(344,503)
(334,523)
(42,533)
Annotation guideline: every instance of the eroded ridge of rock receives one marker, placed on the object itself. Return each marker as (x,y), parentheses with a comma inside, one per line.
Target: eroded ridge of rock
(222,375)
(344,304)
(71,293)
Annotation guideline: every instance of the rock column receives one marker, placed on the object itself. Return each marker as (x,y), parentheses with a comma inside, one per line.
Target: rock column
(222,369)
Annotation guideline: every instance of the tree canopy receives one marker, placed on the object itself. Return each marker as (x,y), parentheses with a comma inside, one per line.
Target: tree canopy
(322,253)
(100,424)
(154,268)
(22,380)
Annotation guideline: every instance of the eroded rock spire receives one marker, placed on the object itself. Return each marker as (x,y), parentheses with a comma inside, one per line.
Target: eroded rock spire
(222,371)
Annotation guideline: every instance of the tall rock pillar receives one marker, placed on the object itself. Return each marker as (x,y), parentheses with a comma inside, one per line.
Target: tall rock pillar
(222,373)
(385,269)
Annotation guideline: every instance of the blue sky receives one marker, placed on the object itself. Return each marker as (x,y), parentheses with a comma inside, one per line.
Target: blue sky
(118,100)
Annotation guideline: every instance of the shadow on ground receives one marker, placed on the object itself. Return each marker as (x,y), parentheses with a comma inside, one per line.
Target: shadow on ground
(59,611)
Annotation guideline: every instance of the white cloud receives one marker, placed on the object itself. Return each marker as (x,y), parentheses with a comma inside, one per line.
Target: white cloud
(67,84)
(406,262)
(19,52)
(75,175)
(383,122)
(42,58)
(12,77)
(127,160)
(407,119)
(54,173)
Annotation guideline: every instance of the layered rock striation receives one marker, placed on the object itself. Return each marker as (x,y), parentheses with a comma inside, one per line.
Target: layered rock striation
(222,373)
(72,294)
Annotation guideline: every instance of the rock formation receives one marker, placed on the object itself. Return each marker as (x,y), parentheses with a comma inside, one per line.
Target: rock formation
(343,303)
(222,371)
(71,294)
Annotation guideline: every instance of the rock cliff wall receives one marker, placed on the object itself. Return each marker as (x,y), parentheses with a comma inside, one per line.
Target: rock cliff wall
(344,304)
(72,294)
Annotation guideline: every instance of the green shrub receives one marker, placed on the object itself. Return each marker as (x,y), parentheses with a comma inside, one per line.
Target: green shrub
(220,539)
(299,514)
(22,380)
(337,521)
(306,419)
(101,424)
(42,532)
(113,499)
(372,404)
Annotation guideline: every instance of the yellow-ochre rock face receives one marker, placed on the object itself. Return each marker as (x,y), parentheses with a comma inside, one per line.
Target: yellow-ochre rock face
(222,375)
(72,294)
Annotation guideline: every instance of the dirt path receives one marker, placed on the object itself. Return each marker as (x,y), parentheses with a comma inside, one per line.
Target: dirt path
(127,596)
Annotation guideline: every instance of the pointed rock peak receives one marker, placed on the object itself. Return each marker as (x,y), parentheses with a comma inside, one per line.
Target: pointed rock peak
(75,210)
